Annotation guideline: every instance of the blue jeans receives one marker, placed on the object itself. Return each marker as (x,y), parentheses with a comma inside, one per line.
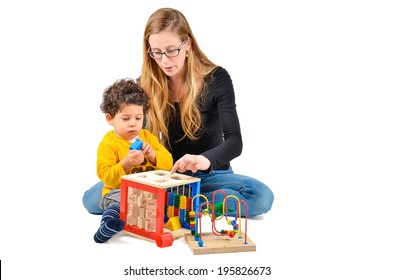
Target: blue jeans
(257,195)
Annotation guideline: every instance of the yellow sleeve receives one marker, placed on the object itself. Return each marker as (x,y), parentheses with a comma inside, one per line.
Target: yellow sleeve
(109,168)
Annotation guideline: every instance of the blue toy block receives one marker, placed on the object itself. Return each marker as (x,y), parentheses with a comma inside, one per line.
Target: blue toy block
(137,145)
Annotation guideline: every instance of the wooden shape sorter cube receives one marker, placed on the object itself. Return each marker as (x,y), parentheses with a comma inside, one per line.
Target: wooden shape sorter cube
(149,199)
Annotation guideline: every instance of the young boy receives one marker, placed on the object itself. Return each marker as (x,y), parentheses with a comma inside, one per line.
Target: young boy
(124,105)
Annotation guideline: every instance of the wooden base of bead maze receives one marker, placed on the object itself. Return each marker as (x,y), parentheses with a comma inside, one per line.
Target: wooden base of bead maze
(214,244)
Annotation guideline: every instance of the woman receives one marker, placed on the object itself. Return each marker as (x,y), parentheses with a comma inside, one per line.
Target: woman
(193,112)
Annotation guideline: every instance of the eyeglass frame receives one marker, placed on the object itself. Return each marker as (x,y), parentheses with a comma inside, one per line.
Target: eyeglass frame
(151,54)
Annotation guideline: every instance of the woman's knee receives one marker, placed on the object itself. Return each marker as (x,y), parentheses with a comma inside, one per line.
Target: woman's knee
(267,198)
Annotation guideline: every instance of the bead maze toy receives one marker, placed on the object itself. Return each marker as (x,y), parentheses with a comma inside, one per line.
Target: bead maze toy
(219,241)
(153,200)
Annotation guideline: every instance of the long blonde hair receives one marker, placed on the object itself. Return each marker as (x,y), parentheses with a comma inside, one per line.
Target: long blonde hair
(157,85)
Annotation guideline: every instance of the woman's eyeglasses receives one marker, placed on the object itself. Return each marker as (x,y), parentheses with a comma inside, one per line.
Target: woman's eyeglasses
(168,53)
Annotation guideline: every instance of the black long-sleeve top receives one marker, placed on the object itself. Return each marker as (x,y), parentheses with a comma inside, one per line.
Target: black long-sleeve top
(220,138)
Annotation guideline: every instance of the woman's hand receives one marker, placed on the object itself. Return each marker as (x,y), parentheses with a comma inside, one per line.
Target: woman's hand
(191,162)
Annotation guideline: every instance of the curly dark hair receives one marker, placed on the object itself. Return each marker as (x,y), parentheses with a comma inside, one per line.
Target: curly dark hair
(123,91)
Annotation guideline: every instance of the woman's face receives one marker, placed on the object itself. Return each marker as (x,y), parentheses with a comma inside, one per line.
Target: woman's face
(169,52)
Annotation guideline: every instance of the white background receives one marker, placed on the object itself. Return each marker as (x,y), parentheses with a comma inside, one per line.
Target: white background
(313,81)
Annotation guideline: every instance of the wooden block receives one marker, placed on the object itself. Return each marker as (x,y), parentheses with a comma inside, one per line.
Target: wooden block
(173,223)
(213,244)
(131,198)
(151,214)
(151,202)
(147,195)
(134,210)
(141,222)
(140,201)
(131,220)
(142,212)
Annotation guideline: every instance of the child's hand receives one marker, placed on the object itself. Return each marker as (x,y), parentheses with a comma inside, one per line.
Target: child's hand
(134,157)
(149,153)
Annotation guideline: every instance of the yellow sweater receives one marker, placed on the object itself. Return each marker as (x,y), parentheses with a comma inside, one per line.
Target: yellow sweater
(113,149)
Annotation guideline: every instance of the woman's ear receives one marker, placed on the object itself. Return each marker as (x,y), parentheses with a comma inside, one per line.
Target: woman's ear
(188,44)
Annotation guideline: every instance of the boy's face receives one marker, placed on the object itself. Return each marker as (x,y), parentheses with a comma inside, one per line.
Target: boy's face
(128,121)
